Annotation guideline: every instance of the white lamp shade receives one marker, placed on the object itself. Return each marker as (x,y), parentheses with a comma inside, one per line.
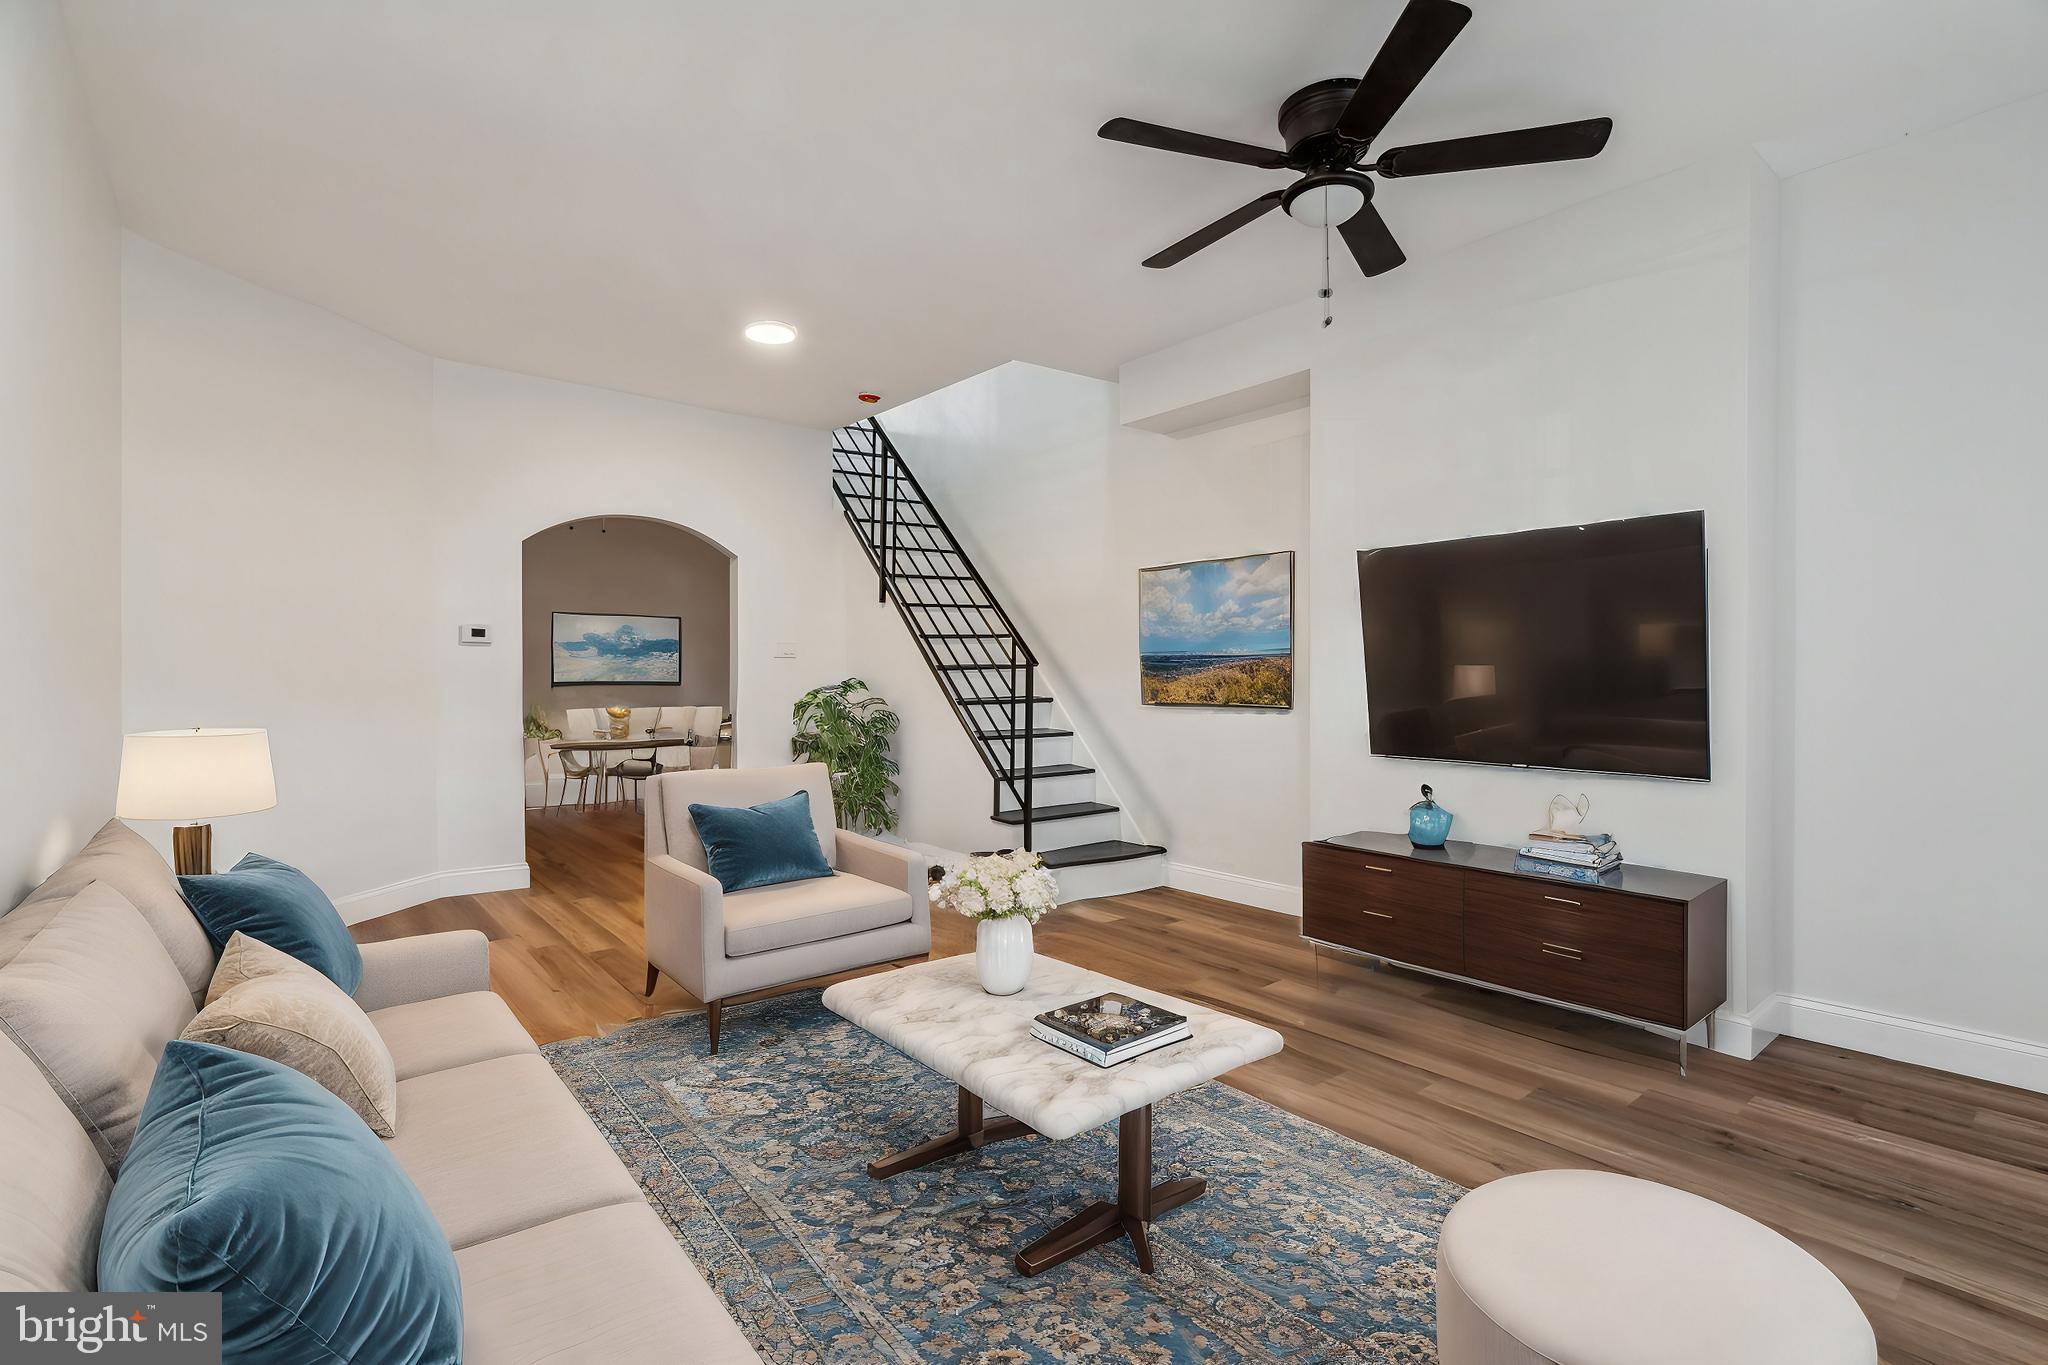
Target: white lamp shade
(194,774)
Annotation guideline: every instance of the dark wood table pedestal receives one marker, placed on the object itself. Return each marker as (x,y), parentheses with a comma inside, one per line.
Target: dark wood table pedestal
(1138,1200)
(971,1132)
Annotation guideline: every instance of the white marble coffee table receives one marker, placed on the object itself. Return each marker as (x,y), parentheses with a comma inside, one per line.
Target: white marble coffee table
(938,1014)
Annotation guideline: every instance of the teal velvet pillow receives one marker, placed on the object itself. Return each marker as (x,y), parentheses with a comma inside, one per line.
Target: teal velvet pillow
(280,905)
(249,1180)
(761,845)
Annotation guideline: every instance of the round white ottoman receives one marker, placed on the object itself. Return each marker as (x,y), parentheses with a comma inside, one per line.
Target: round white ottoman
(1588,1268)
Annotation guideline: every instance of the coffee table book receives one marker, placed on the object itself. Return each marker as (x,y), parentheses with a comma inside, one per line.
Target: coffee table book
(1123,1052)
(1111,1021)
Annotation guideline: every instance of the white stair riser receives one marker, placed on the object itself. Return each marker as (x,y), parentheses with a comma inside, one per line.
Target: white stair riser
(1111,879)
(997,717)
(1055,791)
(1044,752)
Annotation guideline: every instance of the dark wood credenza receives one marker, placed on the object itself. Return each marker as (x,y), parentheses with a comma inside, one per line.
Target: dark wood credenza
(1646,946)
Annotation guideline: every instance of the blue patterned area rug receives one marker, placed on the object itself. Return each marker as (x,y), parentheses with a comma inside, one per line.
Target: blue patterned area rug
(1308,1247)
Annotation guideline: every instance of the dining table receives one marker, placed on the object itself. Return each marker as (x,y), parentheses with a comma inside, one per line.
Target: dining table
(606,744)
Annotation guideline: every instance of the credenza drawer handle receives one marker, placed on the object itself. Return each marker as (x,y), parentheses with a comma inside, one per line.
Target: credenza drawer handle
(1375,867)
(1376,914)
(1562,901)
(1560,950)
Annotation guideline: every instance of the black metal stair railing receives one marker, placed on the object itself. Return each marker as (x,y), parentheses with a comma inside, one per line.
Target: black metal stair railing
(980,661)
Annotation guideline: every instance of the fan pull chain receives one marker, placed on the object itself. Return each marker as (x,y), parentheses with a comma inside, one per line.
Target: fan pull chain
(1325,293)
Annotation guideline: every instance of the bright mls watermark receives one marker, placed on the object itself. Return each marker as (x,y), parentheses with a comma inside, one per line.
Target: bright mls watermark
(167,1329)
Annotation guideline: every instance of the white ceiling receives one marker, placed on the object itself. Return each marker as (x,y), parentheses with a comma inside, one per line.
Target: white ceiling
(606,190)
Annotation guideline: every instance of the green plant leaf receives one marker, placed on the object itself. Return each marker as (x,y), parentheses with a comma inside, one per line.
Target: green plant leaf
(847,728)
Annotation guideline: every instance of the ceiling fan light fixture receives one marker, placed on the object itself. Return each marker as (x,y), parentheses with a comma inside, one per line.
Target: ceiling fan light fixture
(1326,198)
(1326,205)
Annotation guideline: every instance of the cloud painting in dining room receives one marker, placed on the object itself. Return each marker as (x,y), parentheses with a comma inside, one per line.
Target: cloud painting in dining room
(1218,632)
(590,648)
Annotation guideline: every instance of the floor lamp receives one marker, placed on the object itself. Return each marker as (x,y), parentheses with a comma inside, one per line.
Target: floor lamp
(194,776)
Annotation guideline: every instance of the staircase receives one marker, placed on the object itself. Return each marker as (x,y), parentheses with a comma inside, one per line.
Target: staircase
(1046,795)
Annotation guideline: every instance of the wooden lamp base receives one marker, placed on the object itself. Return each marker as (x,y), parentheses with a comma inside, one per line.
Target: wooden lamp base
(192,849)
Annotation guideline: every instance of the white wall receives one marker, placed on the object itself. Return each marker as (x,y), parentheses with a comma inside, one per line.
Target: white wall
(1060,507)
(1845,377)
(1598,363)
(311,511)
(1916,340)
(279,565)
(60,450)
(513,455)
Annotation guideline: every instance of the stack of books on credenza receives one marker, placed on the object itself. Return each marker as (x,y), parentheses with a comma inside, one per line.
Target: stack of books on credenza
(1574,857)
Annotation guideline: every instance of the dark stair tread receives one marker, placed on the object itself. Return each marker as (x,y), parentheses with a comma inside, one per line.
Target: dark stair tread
(1040,733)
(1002,701)
(1071,810)
(1045,770)
(1107,851)
(1003,665)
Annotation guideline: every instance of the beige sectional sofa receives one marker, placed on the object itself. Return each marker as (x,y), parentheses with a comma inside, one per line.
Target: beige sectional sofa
(561,1257)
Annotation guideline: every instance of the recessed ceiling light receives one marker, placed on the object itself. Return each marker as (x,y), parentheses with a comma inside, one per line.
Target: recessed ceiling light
(771,333)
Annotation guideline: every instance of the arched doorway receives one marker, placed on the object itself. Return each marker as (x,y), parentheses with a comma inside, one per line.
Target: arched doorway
(601,598)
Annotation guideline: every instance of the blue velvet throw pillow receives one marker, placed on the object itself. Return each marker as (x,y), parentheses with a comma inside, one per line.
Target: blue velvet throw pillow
(762,845)
(279,904)
(249,1180)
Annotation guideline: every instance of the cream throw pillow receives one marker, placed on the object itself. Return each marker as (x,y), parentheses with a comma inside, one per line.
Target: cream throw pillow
(270,1004)
(92,997)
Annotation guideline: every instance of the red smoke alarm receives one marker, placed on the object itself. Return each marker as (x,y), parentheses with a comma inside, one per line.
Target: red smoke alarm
(869,397)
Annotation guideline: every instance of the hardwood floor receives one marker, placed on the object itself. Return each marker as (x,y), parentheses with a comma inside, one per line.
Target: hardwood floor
(1925,1192)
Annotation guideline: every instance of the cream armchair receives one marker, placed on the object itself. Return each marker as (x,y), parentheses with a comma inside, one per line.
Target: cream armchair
(720,944)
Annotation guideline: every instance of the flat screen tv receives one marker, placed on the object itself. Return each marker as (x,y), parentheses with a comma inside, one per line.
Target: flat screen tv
(1580,647)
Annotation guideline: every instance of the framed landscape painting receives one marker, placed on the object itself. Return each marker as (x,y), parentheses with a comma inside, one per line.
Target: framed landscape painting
(1218,632)
(587,647)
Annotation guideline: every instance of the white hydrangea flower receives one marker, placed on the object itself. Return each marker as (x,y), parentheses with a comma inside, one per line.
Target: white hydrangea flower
(998,885)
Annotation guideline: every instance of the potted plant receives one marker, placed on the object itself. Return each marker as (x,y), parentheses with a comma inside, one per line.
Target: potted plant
(537,726)
(1006,893)
(847,728)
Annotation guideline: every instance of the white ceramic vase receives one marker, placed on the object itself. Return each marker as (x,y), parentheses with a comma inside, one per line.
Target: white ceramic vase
(1002,954)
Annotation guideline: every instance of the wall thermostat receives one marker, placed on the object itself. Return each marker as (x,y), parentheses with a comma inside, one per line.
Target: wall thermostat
(473,635)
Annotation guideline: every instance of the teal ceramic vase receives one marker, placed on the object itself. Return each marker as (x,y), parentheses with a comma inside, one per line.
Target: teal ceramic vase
(1428,823)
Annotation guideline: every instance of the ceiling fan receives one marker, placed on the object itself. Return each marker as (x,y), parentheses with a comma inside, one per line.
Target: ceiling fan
(1329,128)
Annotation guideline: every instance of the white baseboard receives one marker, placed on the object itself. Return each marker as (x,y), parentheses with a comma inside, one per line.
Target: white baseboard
(1966,1052)
(1229,886)
(1746,1035)
(465,881)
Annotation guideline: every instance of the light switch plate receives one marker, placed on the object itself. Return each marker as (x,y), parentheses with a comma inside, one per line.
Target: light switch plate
(472,635)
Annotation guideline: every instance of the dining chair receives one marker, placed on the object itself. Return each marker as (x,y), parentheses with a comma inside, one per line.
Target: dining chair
(585,766)
(537,750)
(582,770)
(635,771)
(704,725)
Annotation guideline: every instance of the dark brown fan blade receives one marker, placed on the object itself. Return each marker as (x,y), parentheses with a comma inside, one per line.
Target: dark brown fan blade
(1420,36)
(1215,232)
(1523,147)
(1189,144)
(1372,246)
